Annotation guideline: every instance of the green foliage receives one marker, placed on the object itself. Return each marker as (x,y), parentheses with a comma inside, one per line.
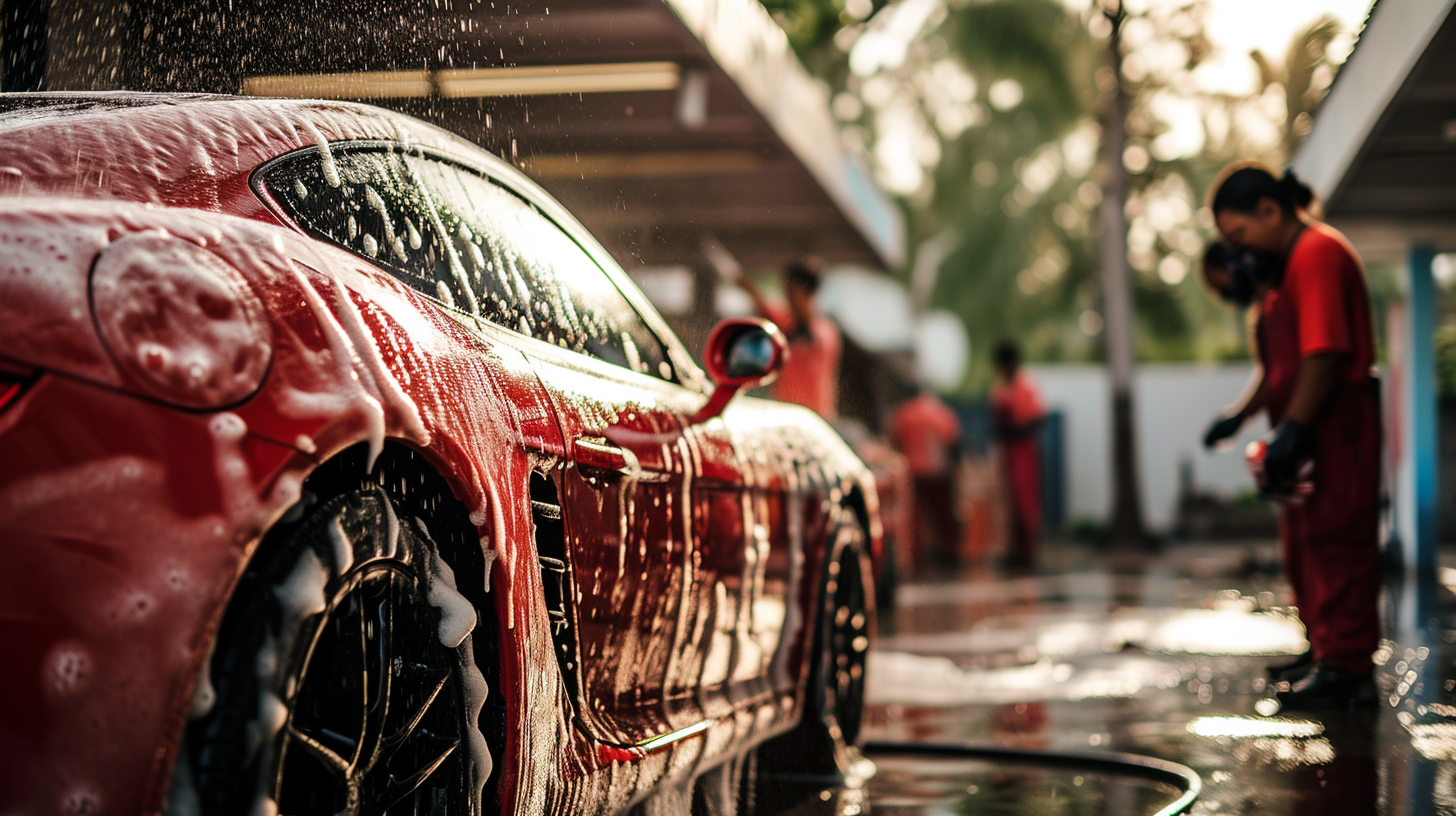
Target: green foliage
(1446,363)
(996,278)
(1010,195)
(811,24)
(1036,42)
(1089,530)
(1250,499)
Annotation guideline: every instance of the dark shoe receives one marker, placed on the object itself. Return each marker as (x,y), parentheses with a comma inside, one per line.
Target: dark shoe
(1293,669)
(1326,689)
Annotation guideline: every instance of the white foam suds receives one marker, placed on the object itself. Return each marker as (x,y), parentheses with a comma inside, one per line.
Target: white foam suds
(391,530)
(326,157)
(347,392)
(68,669)
(457,621)
(489,553)
(457,270)
(373,374)
(457,614)
(476,690)
(302,593)
(343,548)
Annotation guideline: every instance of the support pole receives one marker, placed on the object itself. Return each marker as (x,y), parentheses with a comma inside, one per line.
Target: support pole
(1416,496)
(1413,595)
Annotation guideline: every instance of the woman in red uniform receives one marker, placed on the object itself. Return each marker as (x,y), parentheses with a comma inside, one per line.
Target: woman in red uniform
(1316,349)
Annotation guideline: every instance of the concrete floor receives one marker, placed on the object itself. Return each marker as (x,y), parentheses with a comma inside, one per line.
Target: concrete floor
(1158,655)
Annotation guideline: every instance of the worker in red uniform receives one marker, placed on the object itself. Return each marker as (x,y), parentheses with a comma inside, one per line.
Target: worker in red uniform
(1016,416)
(927,431)
(1315,348)
(810,373)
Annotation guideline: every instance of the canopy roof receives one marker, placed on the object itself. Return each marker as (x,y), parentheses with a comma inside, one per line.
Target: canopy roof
(1382,154)
(657,122)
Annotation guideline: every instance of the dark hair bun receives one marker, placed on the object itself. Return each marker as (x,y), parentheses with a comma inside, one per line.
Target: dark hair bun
(1298,192)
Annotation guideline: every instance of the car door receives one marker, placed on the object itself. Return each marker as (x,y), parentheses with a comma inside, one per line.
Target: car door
(629,613)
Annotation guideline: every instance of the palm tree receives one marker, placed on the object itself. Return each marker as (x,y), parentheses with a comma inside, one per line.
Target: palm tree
(1305,76)
(1126,527)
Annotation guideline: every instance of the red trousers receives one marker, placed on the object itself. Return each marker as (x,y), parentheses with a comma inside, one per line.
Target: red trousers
(937,531)
(1021,459)
(1331,542)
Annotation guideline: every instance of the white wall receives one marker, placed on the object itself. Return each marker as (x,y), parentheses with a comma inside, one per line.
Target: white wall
(1173,405)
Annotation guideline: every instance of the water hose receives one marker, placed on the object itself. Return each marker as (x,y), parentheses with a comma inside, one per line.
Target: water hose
(1179,776)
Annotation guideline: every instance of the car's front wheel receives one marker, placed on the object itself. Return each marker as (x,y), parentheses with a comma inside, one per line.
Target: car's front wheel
(343,679)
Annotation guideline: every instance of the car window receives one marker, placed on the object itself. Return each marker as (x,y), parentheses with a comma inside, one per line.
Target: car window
(366,202)
(530,275)
(468,242)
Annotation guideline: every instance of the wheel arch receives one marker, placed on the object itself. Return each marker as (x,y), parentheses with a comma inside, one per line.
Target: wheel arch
(407,474)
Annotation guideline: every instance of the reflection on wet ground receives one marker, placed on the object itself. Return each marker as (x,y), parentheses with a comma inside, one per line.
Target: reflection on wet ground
(1158,655)
(910,785)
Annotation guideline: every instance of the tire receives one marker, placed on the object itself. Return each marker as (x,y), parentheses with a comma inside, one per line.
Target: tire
(887,578)
(821,750)
(343,677)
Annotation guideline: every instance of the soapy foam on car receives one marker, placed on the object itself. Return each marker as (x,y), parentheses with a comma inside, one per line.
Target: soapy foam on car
(457,620)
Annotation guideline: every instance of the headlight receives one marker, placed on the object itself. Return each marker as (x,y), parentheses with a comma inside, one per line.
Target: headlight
(182,324)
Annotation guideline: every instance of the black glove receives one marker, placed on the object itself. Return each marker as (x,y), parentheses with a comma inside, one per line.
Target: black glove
(1222,428)
(1293,443)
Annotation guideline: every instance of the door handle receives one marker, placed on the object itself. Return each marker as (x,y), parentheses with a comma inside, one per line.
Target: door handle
(599,454)
(606,458)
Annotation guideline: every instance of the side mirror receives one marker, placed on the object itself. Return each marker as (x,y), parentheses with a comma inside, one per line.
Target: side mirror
(741,353)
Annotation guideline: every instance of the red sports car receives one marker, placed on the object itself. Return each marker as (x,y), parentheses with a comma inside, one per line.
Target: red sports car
(341,471)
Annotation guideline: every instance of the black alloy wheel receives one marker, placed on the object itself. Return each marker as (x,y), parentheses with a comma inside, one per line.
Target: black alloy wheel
(344,674)
(378,712)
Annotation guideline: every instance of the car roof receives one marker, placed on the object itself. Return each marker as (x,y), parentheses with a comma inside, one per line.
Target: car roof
(153,147)
(21,106)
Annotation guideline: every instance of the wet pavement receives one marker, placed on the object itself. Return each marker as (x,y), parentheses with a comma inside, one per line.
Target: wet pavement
(909,785)
(1162,656)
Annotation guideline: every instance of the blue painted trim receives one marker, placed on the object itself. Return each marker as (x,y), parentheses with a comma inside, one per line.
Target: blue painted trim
(1424,437)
